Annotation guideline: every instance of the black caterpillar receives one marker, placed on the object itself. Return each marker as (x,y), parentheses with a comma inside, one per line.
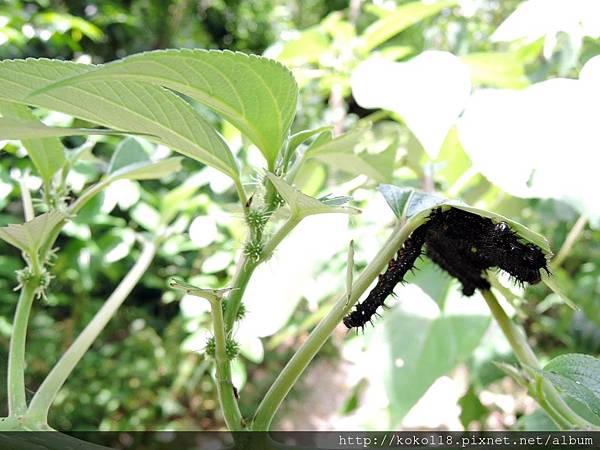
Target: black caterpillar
(464,245)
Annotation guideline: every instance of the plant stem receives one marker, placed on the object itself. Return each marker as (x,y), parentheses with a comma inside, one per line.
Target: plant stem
(17,403)
(42,400)
(550,399)
(241,192)
(246,267)
(302,358)
(570,240)
(26,199)
(229,405)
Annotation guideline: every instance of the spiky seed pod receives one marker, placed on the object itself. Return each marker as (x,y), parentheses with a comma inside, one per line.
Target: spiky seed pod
(241,312)
(210,347)
(253,250)
(257,218)
(232,349)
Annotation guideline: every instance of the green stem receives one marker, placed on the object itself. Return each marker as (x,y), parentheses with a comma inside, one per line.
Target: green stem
(229,405)
(295,367)
(26,199)
(246,267)
(17,403)
(42,400)
(570,240)
(550,399)
(241,192)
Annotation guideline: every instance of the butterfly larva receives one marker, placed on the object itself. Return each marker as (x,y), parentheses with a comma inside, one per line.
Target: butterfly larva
(397,269)
(463,244)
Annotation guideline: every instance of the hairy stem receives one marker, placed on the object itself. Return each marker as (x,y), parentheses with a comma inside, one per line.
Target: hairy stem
(17,403)
(549,399)
(246,267)
(295,367)
(225,388)
(42,400)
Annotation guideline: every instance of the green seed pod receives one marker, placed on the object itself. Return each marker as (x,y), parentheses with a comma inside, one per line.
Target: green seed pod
(210,347)
(232,348)
(253,250)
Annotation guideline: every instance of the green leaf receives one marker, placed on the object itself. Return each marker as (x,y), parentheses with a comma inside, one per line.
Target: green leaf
(129,151)
(29,236)
(301,205)
(422,343)
(421,204)
(20,129)
(552,284)
(256,94)
(298,138)
(496,69)
(578,376)
(307,48)
(471,408)
(48,155)
(190,289)
(151,170)
(396,198)
(339,153)
(137,107)
(398,20)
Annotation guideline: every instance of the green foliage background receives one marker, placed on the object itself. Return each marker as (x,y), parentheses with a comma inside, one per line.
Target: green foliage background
(147,371)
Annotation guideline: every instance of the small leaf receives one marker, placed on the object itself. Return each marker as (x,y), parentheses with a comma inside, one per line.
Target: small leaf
(339,153)
(256,94)
(301,205)
(578,376)
(151,170)
(131,161)
(327,144)
(190,289)
(396,198)
(47,155)
(298,138)
(398,20)
(129,151)
(29,236)
(554,286)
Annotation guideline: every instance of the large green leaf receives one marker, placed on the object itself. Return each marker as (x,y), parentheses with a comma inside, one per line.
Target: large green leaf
(422,342)
(139,108)
(398,20)
(29,236)
(420,204)
(256,94)
(48,155)
(578,376)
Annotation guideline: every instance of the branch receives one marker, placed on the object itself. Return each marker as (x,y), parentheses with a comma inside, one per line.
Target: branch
(302,358)
(43,398)
(17,404)
(549,398)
